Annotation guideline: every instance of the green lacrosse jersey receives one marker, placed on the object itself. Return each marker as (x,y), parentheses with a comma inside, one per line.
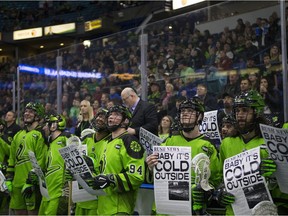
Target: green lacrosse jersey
(200,144)
(4,150)
(19,162)
(231,146)
(55,167)
(94,150)
(124,158)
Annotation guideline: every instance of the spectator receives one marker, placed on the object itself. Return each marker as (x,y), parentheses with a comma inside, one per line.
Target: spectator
(165,127)
(154,97)
(49,109)
(186,72)
(209,101)
(104,100)
(85,117)
(167,96)
(254,80)
(272,97)
(114,95)
(275,55)
(95,106)
(74,112)
(137,86)
(225,63)
(171,67)
(240,27)
(143,113)
(11,126)
(245,85)
(228,107)
(270,70)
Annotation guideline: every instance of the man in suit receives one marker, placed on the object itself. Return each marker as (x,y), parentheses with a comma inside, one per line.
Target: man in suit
(144,114)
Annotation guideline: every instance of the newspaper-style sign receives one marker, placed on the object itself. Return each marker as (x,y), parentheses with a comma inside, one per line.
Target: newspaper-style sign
(276,140)
(209,125)
(242,179)
(148,140)
(3,186)
(78,167)
(40,174)
(172,180)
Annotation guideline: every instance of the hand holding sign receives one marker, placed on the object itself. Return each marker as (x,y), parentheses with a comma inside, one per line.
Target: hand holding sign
(267,167)
(101,181)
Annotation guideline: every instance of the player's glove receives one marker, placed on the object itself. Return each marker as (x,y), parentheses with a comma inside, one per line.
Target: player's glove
(68,175)
(200,197)
(101,181)
(27,190)
(223,197)
(32,178)
(8,184)
(267,167)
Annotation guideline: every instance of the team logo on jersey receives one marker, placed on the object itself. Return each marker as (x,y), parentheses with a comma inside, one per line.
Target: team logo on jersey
(135,146)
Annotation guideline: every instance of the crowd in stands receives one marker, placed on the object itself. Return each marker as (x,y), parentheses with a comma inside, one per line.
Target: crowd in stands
(181,61)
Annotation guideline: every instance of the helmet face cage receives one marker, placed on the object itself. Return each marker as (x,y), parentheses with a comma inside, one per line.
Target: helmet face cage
(120,109)
(100,111)
(37,107)
(193,103)
(125,115)
(251,99)
(60,120)
(196,104)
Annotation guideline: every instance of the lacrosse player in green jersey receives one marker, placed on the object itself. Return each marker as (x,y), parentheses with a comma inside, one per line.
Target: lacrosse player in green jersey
(25,198)
(121,166)
(249,108)
(54,171)
(95,145)
(190,115)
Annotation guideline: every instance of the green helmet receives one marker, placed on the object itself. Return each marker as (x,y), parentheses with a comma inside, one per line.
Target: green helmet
(250,99)
(60,120)
(37,107)
(121,109)
(194,103)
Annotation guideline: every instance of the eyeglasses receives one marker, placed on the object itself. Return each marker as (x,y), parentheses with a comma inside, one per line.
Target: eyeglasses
(124,99)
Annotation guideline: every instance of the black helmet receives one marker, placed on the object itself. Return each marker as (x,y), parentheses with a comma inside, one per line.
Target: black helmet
(126,114)
(121,109)
(195,103)
(250,99)
(229,119)
(95,126)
